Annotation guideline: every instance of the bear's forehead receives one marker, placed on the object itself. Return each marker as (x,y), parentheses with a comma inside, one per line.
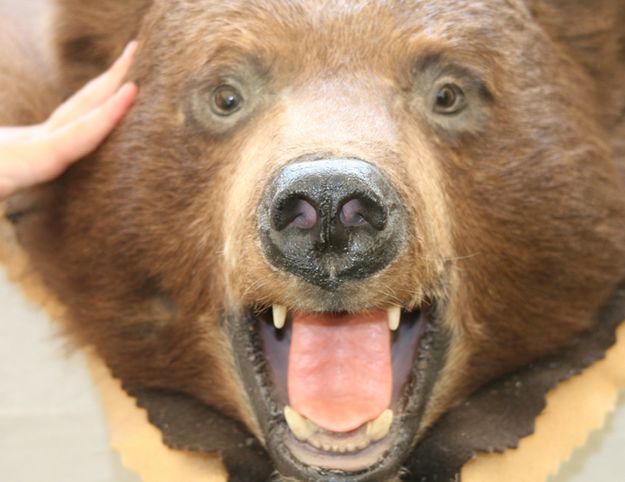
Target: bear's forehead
(394,18)
(309,34)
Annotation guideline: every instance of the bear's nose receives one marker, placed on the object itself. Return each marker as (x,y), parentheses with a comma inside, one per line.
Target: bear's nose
(331,220)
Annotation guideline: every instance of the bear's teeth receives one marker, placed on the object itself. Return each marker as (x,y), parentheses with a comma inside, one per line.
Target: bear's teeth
(301,427)
(379,428)
(279,316)
(394,316)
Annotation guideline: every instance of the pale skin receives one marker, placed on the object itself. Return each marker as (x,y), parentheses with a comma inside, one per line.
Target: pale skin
(39,153)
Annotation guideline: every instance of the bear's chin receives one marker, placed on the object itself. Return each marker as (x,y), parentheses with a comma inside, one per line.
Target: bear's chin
(349,426)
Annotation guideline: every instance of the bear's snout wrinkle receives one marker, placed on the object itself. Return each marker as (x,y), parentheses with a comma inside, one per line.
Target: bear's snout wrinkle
(331,220)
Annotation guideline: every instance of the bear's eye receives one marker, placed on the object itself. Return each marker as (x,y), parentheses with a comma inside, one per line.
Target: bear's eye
(449,100)
(226,100)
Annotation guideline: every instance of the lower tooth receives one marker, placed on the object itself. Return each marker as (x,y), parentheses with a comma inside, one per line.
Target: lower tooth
(379,428)
(362,445)
(302,428)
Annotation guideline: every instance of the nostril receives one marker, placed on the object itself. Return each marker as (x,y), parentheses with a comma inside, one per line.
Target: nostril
(352,213)
(305,215)
(361,212)
(295,211)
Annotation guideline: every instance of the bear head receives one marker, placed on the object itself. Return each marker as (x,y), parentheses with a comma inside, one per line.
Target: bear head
(332,221)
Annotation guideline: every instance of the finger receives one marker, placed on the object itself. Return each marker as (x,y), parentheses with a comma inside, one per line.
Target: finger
(85,134)
(13,135)
(95,92)
(77,139)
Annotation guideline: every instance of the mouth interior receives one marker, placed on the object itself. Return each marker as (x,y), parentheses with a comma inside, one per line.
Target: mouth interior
(339,370)
(341,377)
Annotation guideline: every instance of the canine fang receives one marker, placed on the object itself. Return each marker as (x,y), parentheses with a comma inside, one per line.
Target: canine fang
(379,428)
(279,316)
(300,426)
(394,316)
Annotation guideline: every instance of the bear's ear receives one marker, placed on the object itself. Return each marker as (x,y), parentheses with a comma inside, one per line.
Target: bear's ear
(89,35)
(593,33)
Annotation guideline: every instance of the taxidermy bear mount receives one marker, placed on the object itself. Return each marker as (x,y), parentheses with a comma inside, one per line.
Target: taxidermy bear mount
(362,237)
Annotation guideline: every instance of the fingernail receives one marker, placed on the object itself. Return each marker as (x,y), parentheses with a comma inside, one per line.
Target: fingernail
(129,50)
(128,87)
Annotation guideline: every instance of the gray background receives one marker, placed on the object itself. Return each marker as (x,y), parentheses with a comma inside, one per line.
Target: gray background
(52,427)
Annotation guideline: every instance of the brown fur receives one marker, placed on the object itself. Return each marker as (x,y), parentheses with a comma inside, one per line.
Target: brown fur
(518,217)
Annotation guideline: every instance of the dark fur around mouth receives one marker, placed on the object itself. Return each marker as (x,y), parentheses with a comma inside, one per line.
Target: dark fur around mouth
(493,419)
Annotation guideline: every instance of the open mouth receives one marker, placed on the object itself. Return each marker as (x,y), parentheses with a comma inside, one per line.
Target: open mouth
(340,392)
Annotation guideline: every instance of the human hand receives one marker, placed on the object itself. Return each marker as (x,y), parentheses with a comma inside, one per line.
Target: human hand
(35,154)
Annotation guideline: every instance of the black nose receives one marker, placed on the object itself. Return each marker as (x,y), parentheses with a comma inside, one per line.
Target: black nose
(331,220)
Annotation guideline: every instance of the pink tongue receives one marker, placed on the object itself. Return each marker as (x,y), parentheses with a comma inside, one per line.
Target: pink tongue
(340,368)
